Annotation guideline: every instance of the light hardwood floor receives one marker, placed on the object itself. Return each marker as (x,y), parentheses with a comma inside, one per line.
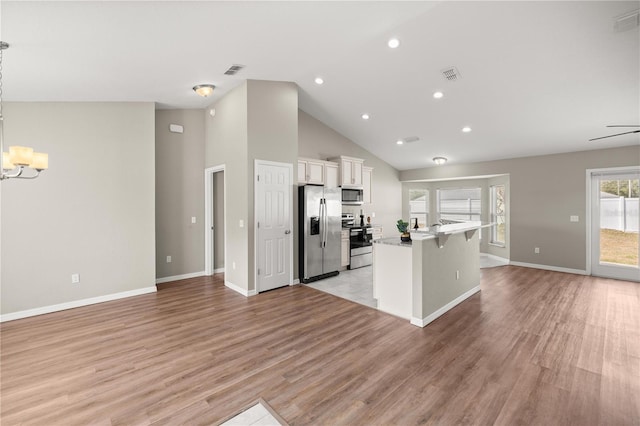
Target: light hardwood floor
(533,347)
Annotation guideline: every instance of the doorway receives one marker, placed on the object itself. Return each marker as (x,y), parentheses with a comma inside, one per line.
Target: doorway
(215,219)
(614,223)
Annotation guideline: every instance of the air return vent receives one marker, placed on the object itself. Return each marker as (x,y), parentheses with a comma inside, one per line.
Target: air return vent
(627,21)
(233,69)
(451,73)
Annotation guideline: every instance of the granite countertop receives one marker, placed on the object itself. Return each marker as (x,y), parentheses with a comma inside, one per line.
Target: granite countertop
(454,228)
(395,241)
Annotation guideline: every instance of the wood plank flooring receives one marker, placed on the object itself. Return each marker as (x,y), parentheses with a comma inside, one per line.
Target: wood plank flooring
(533,347)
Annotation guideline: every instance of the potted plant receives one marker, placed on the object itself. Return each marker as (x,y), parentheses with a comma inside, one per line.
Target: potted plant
(402,228)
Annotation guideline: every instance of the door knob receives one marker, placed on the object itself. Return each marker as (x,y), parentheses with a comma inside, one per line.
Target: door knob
(287,232)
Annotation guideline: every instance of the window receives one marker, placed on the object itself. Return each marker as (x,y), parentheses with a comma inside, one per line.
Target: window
(419,207)
(459,204)
(498,215)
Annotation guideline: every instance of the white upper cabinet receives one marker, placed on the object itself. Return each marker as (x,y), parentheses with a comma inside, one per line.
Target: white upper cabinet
(331,175)
(350,170)
(317,172)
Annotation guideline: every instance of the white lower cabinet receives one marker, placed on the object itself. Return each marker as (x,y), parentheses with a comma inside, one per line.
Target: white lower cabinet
(345,247)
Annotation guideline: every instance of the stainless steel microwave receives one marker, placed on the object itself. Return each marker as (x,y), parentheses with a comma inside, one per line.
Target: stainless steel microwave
(352,196)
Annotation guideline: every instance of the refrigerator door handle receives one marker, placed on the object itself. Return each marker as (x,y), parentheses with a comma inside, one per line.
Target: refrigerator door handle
(326,224)
(321,222)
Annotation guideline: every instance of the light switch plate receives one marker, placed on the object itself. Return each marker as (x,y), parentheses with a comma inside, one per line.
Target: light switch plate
(75,278)
(193,219)
(574,218)
(241,223)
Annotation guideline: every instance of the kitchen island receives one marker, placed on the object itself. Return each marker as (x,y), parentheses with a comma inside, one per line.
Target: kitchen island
(422,279)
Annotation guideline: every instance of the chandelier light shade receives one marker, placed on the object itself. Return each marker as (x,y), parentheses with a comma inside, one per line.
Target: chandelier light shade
(204,90)
(439,160)
(19,158)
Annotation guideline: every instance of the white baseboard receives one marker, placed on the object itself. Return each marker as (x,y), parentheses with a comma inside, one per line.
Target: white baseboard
(496,258)
(550,268)
(240,290)
(296,281)
(75,304)
(218,271)
(180,277)
(424,321)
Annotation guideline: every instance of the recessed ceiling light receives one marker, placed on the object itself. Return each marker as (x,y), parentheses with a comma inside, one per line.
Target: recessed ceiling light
(393,43)
(466,129)
(318,80)
(400,142)
(365,116)
(439,160)
(438,95)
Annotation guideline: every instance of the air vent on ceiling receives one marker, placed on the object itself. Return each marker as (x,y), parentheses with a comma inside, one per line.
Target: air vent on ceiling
(233,69)
(627,22)
(451,73)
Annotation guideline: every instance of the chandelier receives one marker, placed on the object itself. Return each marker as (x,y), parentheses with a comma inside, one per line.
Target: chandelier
(19,158)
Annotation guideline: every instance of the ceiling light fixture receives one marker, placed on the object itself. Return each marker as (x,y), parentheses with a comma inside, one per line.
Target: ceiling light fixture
(438,95)
(439,160)
(19,157)
(365,116)
(319,81)
(204,90)
(466,129)
(400,142)
(393,43)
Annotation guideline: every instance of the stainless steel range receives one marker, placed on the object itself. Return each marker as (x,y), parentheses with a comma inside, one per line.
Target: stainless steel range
(360,246)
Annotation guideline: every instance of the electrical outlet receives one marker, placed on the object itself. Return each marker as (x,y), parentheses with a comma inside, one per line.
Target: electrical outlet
(168,259)
(241,223)
(75,278)
(193,219)
(373,214)
(536,250)
(233,265)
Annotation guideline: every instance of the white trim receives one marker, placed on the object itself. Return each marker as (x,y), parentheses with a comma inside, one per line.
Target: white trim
(550,268)
(208,217)
(179,277)
(242,291)
(494,257)
(257,163)
(437,314)
(218,271)
(76,304)
(296,281)
(589,214)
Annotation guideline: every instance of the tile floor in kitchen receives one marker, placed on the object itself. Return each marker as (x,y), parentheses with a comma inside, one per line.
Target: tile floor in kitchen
(357,284)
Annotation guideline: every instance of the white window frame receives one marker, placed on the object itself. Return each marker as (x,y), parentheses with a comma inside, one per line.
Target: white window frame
(493,199)
(426,212)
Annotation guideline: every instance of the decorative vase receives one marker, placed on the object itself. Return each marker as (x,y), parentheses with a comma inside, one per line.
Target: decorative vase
(405,237)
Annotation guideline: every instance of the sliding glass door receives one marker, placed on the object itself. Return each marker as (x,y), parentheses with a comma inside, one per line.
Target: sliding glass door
(615,222)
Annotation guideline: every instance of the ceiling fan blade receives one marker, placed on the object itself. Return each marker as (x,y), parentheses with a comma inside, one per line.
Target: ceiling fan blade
(623,125)
(618,134)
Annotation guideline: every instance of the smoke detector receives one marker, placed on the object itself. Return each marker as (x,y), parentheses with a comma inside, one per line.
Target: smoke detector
(451,73)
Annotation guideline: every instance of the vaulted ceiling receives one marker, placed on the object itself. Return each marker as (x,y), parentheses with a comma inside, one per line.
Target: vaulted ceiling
(534,77)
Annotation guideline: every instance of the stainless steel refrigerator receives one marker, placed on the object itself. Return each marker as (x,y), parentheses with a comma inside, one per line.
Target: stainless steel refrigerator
(320,226)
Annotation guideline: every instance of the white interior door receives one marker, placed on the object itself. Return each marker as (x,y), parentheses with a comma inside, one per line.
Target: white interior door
(615,222)
(274,237)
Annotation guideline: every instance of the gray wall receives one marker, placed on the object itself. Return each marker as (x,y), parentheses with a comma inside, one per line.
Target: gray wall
(226,143)
(257,120)
(91,213)
(218,220)
(317,140)
(544,192)
(179,192)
